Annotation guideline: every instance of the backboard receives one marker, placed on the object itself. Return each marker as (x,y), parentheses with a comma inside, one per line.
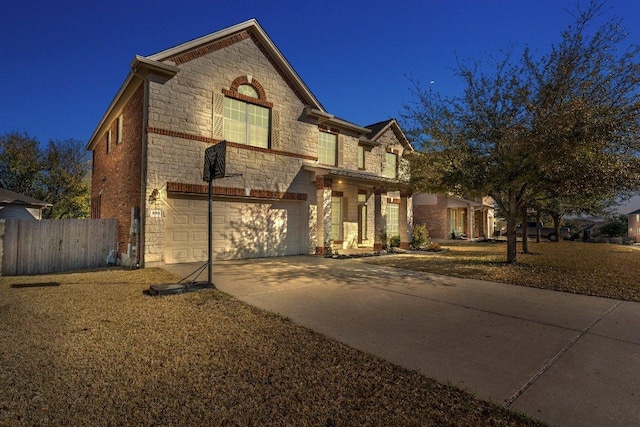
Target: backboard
(215,159)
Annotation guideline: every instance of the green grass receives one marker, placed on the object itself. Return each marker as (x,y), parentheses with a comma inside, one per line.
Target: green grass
(604,270)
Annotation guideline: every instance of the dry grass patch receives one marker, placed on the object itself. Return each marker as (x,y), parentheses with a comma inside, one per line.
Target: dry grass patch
(94,350)
(604,270)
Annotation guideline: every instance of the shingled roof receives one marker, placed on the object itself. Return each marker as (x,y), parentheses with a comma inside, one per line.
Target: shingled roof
(8,197)
(379,128)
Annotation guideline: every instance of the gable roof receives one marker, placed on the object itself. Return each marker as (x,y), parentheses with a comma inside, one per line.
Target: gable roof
(165,64)
(8,197)
(203,45)
(378,129)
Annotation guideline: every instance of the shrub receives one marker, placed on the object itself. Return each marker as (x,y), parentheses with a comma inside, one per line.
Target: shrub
(394,242)
(419,236)
(384,239)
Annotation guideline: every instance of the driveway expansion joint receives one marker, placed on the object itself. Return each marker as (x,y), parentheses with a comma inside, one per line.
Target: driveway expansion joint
(554,359)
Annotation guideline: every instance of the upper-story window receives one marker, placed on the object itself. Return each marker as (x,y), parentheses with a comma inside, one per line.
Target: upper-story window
(248,90)
(390,165)
(327,148)
(119,130)
(108,141)
(244,122)
(360,157)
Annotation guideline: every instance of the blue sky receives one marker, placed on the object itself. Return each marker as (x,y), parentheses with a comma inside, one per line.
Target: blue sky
(63,61)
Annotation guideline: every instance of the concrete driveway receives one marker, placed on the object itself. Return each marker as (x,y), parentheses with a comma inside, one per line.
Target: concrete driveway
(566,359)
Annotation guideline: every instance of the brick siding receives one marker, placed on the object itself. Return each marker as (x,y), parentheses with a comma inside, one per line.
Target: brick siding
(116,176)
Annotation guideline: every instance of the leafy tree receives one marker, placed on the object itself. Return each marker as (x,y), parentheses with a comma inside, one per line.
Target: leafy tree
(67,180)
(561,132)
(58,174)
(586,118)
(20,164)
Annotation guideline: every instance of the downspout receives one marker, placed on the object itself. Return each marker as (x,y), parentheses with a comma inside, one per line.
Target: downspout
(143,170)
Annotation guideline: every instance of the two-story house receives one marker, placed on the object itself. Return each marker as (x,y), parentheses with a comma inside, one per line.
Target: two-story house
(297,179)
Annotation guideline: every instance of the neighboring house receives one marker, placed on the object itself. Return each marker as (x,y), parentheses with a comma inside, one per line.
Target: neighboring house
(15,205)
(634,225)
(447,217)
(301,176)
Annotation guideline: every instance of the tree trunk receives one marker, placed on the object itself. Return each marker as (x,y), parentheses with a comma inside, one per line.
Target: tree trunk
(512,218)
(538,227)
(556,225)
(525,231)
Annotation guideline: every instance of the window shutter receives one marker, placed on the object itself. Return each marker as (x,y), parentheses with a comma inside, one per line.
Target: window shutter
(218,116)
(340,160)
(275,128)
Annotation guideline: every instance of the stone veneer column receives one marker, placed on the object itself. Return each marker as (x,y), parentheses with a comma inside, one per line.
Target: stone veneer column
(379,223)
(323,202)
(405,239)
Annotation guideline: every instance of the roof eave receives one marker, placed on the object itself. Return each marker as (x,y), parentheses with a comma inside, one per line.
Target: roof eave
(141,68)
(395,127)
(325,118)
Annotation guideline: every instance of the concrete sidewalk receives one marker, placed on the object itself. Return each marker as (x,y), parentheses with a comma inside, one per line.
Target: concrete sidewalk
(563,358)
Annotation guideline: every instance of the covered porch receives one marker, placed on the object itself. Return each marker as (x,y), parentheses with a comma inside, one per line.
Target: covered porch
(358,210)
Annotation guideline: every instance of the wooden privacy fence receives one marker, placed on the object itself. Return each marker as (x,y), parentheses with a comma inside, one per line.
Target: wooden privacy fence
(50,246)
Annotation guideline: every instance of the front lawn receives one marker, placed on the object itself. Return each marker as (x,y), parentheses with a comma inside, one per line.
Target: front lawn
(89,348)
(604,270)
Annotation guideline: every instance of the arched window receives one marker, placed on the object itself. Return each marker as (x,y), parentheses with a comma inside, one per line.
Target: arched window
(248,90)
(247,121)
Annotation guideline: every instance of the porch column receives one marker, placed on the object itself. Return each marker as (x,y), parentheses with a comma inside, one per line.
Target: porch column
(323,202)
(470,220)
(405,239)
(379,223)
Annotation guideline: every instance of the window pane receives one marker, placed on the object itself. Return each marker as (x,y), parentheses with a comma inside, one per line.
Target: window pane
(246,123)
(327,147)
(248,90)
(390,165)
(393,220)
(259,136)
(234,131)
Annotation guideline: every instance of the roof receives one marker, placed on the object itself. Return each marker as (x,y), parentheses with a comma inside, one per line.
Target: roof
(8,197)
(378,129)
(165,64)
(326,118)
(363,177)
(162,64)
(634,212)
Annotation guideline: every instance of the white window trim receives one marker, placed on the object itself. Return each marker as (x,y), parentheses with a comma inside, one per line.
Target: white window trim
(119,131)
(247,123)
(335,150)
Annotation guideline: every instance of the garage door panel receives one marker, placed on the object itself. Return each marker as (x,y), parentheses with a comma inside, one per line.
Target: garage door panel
(181,236)
(181,219)
(240,229)
(200,219)
(200,236)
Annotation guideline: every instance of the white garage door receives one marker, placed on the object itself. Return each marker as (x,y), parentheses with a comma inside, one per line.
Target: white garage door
(240,229)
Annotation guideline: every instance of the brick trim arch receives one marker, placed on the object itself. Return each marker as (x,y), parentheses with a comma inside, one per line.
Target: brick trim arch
(246,80)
